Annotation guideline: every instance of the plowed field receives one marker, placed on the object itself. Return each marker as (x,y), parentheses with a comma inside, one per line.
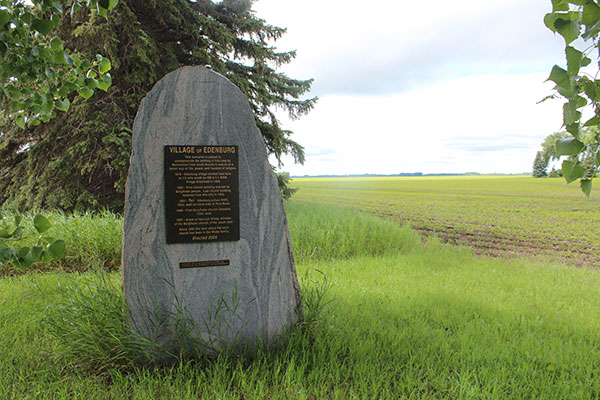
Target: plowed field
(495,215)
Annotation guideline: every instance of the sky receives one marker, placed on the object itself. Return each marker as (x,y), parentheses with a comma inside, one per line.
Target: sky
(431,87)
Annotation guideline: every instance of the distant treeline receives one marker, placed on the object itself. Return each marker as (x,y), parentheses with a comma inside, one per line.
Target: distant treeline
(403,174)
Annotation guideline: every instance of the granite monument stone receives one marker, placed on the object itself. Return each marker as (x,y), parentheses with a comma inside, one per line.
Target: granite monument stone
(205,235)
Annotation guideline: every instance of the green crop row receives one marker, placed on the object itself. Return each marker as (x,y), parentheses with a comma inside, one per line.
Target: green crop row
(495,215)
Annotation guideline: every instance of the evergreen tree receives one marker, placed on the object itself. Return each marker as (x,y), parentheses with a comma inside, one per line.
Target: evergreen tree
(539,166)
(554,173)
(79,159)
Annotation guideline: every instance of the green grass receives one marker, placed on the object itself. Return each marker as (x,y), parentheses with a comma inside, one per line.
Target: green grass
(93,240)
(494,215)
(321,232)
(417,320)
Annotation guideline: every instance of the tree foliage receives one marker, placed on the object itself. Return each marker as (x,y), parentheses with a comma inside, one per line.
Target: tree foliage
(283,181)
(578,22)
(12,237)
(79,159)
(38,74)
(549,150)
(539,166)
(590,137)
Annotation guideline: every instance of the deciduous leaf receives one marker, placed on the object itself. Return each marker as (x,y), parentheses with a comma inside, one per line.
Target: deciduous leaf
(103,12)
(594,121)
(560,77)
(586,61)
(22,252)
(549,21)
(591,31)
(24,262)
(105,83)
(570,114)
(590,89)
(36,252)
(568,29)
(41,223)
(26,17)
(104,65)
(574,129)
(569,93)
(4,17)
(20,121)
(560,5)
(586,186)
(572,171)
(56,44)
(62,105)
(7,252)
(57,249)
(590,13)
(91,83)
(58,57)
(43,26)
(569,147)
(574,60)
(85,92)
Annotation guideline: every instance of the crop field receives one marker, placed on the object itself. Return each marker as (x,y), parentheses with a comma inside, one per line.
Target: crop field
(495,215)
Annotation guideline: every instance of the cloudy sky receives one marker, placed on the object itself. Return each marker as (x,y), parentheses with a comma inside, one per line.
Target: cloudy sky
(407,86)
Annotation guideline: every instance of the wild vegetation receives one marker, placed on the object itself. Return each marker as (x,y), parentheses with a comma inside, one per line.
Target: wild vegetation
(389,316)
(79,159)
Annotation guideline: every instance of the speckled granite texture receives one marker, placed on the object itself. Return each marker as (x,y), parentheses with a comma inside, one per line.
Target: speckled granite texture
(254,298)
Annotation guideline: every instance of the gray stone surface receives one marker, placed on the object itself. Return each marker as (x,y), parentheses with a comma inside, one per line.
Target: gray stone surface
(257,296)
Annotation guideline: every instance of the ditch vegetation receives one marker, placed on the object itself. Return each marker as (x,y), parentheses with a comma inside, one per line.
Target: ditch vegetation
(390,314)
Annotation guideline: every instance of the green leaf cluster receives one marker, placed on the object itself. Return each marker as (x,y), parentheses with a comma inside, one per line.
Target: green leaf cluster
(79,160)
(39,74)
(12,237)
(283,181)
(573,20)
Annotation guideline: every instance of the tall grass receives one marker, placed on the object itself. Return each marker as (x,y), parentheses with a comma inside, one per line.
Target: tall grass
(321,232)
(93,239)
(433,323)
(419,320)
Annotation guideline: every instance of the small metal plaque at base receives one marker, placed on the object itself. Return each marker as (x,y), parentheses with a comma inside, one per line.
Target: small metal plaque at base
(201,264)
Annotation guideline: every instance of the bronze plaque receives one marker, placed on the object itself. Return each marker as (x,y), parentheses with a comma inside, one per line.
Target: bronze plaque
(203,264)
(202,194)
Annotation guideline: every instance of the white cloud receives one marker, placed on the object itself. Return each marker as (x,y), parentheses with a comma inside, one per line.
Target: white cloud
(431,86)
(389,46)
(485,123)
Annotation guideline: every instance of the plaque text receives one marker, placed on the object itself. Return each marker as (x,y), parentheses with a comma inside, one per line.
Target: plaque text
(201,193)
